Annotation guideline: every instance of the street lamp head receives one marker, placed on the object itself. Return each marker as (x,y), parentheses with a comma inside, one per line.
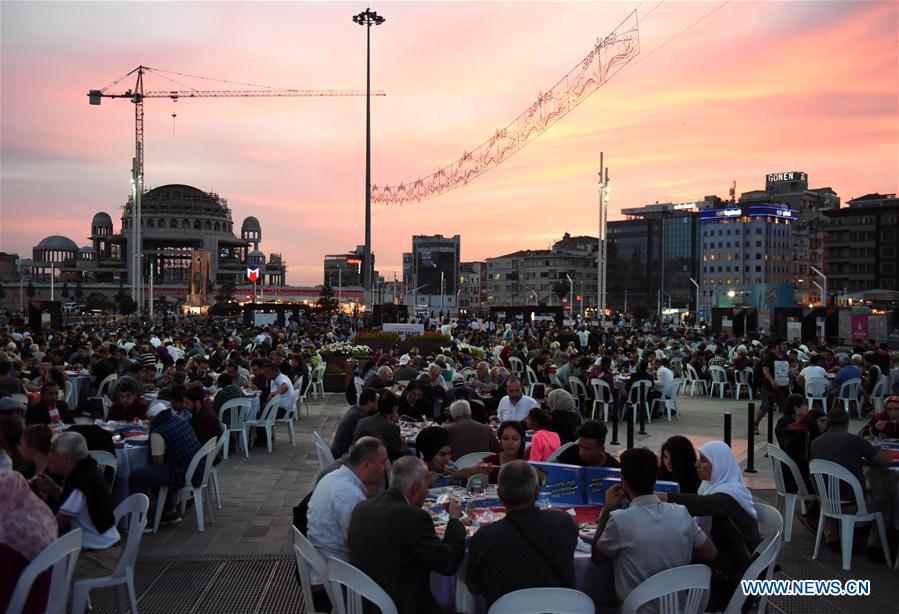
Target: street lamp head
(731,294)
(368,18)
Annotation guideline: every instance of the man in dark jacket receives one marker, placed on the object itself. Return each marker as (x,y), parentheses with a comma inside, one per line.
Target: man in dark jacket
(343,438)
(203,419)
(393,540)
(50,409)
(384,425)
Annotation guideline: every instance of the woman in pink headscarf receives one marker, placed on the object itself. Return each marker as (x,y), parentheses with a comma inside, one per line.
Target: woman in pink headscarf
(27,526)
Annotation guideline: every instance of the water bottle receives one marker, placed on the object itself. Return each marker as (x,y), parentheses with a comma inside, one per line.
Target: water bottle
(543,500)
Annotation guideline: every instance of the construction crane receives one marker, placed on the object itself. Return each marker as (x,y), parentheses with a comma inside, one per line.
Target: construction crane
(137,96)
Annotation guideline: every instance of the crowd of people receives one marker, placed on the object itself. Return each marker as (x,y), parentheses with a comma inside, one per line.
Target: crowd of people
(175,376)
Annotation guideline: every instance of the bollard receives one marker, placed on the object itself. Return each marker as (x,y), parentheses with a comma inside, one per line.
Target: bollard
(750,440)
(770,428)
(630,431)
(727,427)
(642,413)
(614,441)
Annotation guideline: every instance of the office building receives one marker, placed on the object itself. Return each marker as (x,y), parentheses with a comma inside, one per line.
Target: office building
(861,245)
(435,266)
(472,285)
(345,270)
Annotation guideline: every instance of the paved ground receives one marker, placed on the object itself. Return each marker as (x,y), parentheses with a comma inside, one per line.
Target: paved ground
(242,562)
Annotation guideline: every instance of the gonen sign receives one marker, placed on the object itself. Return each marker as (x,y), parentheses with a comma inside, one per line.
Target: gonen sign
(790,176)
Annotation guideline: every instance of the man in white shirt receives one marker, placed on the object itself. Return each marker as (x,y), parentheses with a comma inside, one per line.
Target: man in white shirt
(279,384)
(515,405)
(649,536)
(337,494)
(812,371)
(664,375)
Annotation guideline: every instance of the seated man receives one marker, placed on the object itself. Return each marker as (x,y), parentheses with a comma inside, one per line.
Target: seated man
(172,446)
(850,451)
(591,447)
(413,404)
(228,391)
(515,405)
(649,536)
(466,435)
(381,379)
(128,405)
(334,499)
(50,409)
(383,425)
(203,420)
(367,406)
(84,504)
(280,384)
(529,548)
(393,540)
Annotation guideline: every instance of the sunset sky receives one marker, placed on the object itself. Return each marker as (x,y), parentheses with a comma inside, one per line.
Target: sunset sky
(756,87)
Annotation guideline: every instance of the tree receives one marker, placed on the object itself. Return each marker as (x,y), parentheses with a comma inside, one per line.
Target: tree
(326,301)
(30,291)
(97,300)
(65,290)
(121,293)
(561,290)
(640,312)
(127,305)
(79,291)
(226,293)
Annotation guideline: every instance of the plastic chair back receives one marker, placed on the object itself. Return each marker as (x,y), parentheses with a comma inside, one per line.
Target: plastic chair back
(827,476)
(578,389)
(667,586)
(761,568)
(691,372)
(469,460)
(538,600)
(106,384)
(639,392)
(816,388)
(849,393)
(269,411)
(771,523)
(66,394)
(309,559)
(135,508)
(323,450)
(359,383)
(601,390)
(516,365)
(552,457)
(61,556)
(531,376)
(358,585)
(237,410)
(781,459)
(878,392)
(199,457)
(105,459)
(719,375)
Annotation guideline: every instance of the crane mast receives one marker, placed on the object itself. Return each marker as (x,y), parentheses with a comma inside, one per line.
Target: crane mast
(137,96)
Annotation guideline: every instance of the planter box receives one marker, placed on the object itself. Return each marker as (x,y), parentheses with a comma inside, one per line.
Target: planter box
(334,382)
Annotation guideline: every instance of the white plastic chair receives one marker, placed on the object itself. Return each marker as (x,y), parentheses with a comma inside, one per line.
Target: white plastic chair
(214,471)
(287,420)
(602,396)
(669,398)
(555,455)
(61,556)
(878,392)
(267,420)
(848,394)
(67,394)
(779,460)
(300,395)
(763,564)
(638,398)
(770,522)
(719,379)
(135,509)
(827,476)
(517,367)
(693,380)
(105,459)
(238,409)
(816,390)
(471,459)
(188,491)
(358,585)
(667,586)
(359,383)
(103,393)
(743,378)
(541,600)
(323,450)
(309,559)
(531,380)
(578,391)
(316,382)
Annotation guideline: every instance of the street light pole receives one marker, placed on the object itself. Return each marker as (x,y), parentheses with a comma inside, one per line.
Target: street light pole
(823,287)
(368,18)
(570,295)
(695,283)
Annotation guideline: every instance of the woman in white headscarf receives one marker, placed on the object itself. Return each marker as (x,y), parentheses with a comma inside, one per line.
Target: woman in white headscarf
(724,497)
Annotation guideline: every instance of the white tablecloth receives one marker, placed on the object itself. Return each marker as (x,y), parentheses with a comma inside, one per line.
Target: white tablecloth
(80,385)
(254,408)
(130,458)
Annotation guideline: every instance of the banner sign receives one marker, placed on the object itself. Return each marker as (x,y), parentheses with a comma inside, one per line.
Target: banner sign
(859,328)
(404,329)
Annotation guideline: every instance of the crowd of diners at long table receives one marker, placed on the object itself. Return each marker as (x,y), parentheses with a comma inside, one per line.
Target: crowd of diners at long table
(468,394)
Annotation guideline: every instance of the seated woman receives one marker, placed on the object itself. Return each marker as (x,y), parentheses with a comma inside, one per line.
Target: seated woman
(795,408)
(724,497)
(677,463)
(511,447)
(34,447)
(544,441)
(564,416)
(432,444)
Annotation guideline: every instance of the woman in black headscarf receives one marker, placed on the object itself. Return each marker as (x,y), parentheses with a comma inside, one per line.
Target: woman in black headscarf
(432,445)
